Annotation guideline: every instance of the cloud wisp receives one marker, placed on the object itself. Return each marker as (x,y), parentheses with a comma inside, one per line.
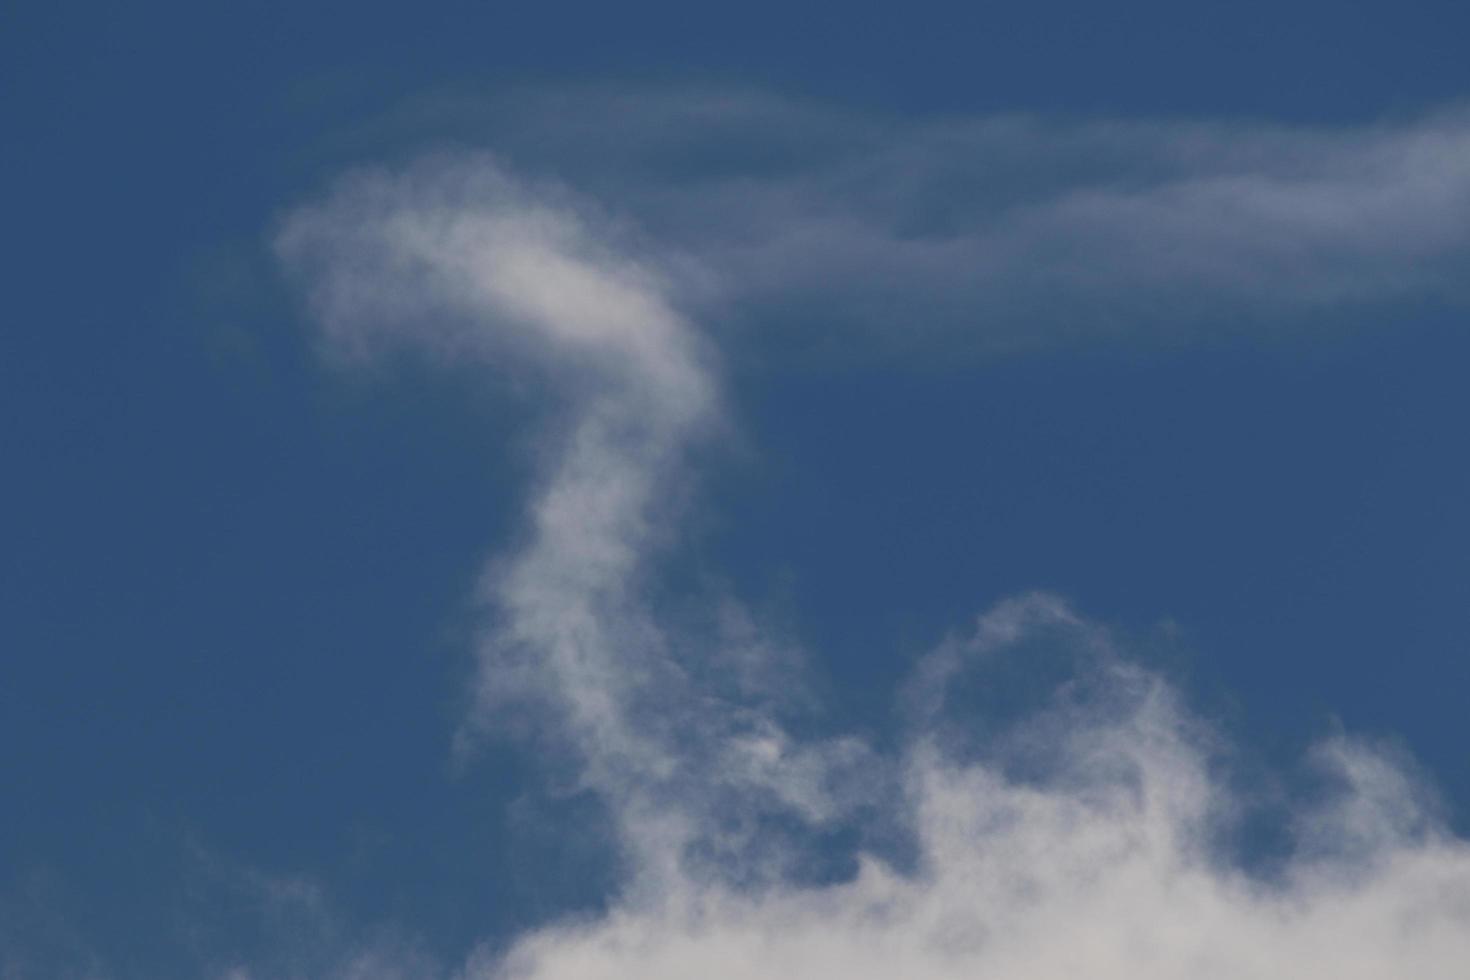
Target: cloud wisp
(845,228)
(461,259)
(1086,834)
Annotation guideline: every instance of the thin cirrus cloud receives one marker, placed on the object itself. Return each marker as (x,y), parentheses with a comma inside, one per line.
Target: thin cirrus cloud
(1089,834)
(1004,231)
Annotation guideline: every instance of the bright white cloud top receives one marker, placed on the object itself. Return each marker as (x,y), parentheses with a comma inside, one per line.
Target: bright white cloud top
(1087,836)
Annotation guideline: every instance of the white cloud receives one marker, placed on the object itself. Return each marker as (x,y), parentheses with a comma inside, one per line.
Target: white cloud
(1001,231)
(1100,862)
(459,258)
(1085,835)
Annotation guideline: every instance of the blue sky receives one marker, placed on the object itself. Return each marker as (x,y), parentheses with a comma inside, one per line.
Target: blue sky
(709,475)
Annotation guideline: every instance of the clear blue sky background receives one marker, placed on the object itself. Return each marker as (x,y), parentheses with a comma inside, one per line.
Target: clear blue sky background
(233,583)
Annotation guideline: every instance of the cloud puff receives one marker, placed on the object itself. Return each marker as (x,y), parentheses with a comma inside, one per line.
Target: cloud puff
(1083,840)
(1087,830)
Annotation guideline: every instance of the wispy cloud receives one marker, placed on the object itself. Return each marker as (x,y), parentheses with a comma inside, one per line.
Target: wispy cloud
(1010,230)
(459,258)
(1086,834)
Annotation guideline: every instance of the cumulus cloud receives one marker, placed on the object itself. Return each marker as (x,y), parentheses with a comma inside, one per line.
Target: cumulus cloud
(1088,827)
(1082,839)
